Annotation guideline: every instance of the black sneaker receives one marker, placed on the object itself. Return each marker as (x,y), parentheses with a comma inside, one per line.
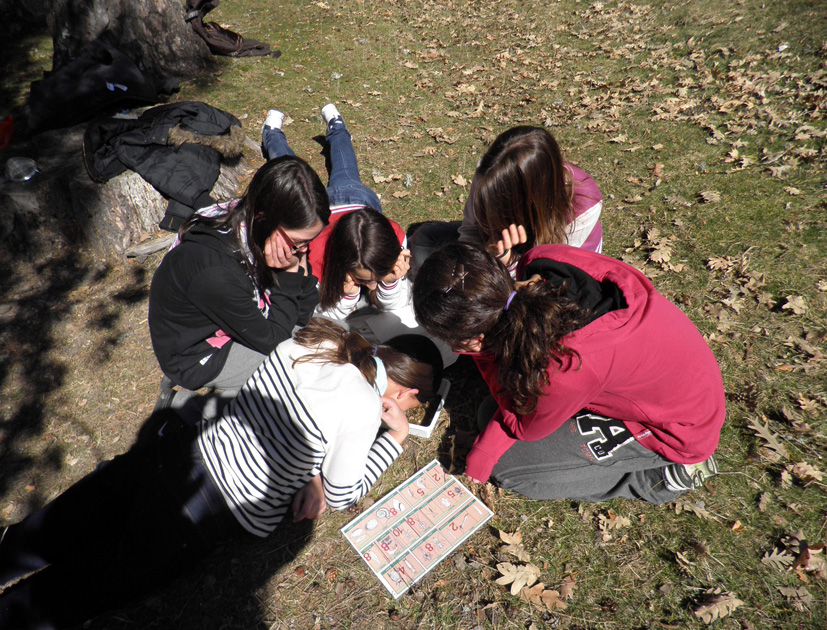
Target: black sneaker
(167,394)
(683,477)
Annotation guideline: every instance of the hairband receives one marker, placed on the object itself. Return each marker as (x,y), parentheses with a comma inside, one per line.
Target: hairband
(375,350)
(381,381)
(508,301)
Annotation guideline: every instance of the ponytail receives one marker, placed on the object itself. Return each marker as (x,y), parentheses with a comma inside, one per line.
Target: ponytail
(462,292)
(415,364)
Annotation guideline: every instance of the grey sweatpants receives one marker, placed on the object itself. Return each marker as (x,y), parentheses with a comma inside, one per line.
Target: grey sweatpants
(589,458)
(240,364)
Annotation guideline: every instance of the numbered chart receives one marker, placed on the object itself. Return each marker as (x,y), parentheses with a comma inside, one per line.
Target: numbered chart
(415,527)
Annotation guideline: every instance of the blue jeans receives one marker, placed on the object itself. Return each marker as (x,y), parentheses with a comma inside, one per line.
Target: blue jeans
(345,186)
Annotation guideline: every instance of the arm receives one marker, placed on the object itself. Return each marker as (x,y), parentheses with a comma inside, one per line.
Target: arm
(341,488)
(226,296)
(394,295)
(350,469)
(570,391)
(342,309)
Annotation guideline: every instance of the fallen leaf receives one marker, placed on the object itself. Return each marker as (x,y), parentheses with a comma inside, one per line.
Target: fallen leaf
(770,438)
(459,180)
(799,597)
(542,598)
(518,575)
(796,304)
(567,587)
(805,472)
(778,559)
(716,605)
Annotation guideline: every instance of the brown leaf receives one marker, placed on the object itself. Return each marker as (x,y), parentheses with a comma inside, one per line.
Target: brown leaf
(770,438)
(716,605)
(805,472)
(542,598)
(567,587)
(796,304)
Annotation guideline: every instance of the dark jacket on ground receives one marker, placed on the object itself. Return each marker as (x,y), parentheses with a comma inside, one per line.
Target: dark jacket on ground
(201,295)
(177,148)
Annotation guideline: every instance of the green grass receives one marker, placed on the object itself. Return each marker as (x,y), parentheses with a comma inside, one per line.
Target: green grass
(624,86)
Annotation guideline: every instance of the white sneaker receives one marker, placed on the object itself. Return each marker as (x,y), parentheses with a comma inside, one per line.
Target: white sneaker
(274,120)
(683,477)
(331,115)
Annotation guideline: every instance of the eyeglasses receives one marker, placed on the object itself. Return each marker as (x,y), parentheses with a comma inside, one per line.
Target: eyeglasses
(296,247)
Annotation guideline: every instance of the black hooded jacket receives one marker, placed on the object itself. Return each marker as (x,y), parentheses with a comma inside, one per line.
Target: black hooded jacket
(200,288)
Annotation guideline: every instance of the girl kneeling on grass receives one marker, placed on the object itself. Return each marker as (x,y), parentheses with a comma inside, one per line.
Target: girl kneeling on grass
(601,388)
(237,283)
(305,431)
(523,194)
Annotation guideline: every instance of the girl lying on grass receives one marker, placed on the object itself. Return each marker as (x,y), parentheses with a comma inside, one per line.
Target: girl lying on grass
(600,387)
(316,425)
(364,265)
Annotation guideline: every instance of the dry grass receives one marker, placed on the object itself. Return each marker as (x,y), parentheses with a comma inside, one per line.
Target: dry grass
(704,124)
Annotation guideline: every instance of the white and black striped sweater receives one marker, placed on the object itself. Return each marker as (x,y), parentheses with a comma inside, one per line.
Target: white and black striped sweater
(287,425)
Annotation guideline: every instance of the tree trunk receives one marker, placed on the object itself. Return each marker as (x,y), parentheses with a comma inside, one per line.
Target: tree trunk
(62,207)
(152,33)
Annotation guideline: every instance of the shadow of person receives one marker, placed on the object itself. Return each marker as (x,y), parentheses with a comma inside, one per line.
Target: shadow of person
(126,531)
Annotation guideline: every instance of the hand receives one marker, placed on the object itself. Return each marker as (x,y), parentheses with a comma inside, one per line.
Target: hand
(309,502)
(511,237)
(395,419)
(350,287)
(279,255)
(527,283)
(400,267)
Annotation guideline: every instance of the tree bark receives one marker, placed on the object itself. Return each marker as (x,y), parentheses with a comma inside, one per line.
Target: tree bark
(152,33)
(62,207)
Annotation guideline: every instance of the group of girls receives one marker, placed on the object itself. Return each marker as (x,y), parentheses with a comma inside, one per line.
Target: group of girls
(600,387)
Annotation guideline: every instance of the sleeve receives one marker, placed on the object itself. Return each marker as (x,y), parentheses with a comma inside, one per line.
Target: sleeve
(226,297)
(342,309)
(583,226)
(349,470)
(298,289)
(394,296)
(570,391)
(585,231)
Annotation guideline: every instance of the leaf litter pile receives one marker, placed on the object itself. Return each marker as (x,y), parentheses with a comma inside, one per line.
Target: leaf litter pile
(704,125)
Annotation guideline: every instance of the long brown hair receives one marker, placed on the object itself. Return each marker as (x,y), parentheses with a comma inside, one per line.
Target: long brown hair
(404,365)
(523,180)
(286,192)
(363,239)
(461,292)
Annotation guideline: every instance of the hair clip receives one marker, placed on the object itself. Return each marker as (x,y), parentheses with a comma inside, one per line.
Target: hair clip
(457,276)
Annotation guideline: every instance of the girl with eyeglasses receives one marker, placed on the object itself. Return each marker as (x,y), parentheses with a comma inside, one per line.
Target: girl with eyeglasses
(238,282)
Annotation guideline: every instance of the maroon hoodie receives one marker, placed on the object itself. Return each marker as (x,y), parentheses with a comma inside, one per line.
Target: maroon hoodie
(645,364)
